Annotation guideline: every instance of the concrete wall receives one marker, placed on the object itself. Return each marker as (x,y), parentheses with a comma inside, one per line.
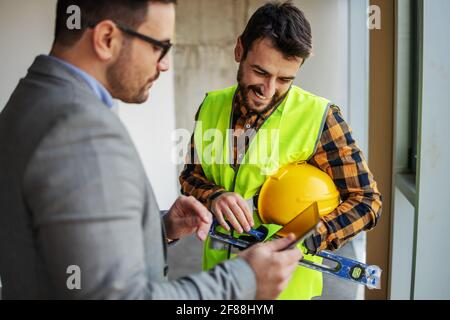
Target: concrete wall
(206,35)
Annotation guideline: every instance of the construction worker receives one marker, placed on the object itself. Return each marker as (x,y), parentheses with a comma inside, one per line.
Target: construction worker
(226,169)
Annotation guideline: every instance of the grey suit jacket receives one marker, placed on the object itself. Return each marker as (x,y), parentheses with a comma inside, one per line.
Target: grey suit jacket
(74,197)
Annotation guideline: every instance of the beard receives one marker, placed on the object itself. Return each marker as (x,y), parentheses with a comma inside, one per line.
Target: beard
(245,90)
(126,83)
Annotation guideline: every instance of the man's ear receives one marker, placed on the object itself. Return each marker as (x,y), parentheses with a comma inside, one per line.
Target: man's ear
(106,40)
(238,51)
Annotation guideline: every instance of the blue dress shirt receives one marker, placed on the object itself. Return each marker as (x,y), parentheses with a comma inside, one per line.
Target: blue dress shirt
(93,83)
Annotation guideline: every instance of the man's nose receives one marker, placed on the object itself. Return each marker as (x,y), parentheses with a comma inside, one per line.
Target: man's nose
(270,88)
(164,64)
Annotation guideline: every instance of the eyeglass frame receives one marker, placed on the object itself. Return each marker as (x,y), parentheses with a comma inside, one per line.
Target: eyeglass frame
(164,45)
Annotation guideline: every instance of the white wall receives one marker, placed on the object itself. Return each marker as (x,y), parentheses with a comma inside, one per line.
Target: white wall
(432,254)
(26,30)
(338,69)
(151,126)
(326,73)
(358,66)
(401,248)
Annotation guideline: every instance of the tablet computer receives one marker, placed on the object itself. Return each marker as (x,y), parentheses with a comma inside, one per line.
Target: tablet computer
(302,225)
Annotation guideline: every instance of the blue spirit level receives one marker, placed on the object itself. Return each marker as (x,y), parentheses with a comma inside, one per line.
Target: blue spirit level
(343,268)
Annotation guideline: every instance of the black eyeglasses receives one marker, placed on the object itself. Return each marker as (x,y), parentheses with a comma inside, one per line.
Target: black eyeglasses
(164,45)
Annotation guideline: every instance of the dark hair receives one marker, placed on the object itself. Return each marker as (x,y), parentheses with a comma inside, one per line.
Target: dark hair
(128,12)
(285,25)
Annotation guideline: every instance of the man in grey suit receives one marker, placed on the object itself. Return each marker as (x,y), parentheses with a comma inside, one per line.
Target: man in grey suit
(78,218)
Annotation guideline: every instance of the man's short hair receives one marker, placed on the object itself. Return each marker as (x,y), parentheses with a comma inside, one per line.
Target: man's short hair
(128,12)
(284,24)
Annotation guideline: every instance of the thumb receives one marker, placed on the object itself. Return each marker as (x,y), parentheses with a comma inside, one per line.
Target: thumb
(199,210)
(203,230)
(280,244)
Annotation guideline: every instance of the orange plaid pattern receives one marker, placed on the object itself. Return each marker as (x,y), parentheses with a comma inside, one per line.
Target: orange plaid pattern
(337,154)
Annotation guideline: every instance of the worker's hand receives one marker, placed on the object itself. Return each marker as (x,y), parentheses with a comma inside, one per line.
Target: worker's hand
(232,206)
(273,265)
(187,216)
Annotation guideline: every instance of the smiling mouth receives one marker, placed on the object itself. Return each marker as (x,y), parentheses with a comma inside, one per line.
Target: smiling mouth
(258,95)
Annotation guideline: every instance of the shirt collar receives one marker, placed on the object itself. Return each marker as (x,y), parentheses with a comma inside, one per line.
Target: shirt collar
(244,111)
(93,83)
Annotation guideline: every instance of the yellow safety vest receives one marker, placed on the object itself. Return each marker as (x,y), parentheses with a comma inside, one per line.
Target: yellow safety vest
(290,134)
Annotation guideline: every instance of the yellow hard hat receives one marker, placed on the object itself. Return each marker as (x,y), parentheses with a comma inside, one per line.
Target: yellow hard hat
(293,189)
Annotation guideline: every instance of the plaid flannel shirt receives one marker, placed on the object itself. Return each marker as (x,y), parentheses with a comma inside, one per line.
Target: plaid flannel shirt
(337,154)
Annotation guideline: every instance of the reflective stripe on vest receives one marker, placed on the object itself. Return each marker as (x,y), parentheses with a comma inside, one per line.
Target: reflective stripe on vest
(290,134)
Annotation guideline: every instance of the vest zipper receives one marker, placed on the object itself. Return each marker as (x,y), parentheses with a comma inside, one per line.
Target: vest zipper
(231,138)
